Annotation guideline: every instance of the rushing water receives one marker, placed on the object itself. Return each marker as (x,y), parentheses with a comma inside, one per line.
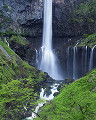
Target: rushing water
(86,59)
(48,61)
(44,98)
(68,62)
(91,60)
(74,64)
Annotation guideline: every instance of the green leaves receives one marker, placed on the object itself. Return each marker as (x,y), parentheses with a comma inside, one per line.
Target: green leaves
(88,41)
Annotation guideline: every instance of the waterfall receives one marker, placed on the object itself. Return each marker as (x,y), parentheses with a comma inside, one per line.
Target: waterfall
(6,40)
(86,59)
(49,62)
(91,58)
(74,63)
(36,57)
(82,61)
(68,62)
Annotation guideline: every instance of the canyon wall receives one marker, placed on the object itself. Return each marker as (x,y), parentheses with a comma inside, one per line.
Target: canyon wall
(70,17)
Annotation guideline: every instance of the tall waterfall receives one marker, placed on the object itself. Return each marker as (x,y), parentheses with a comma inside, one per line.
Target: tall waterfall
(48,62)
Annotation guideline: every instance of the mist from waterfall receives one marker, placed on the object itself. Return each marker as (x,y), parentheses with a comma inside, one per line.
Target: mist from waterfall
(48,61)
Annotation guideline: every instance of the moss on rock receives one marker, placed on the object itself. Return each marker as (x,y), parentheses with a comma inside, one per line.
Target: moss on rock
(90,41)
(19,40)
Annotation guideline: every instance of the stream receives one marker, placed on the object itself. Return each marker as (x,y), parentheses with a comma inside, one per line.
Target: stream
(43,99)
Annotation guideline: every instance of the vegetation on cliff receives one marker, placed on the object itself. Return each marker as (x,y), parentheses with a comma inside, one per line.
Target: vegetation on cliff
(19,40)
(18,84)
(89,40)
(84,16)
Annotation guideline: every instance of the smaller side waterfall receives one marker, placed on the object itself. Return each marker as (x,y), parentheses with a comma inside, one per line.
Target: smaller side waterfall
(36,57)
(74,63)
(91,59)
(6,40)
(68,62)
(79,60)
(86,59)
(82,60)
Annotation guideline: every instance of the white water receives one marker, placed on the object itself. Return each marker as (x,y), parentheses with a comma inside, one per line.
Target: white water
(6,40)
(44,98)
(86,59)
(68,62)
(74,63)
(91,60)
(36,57)
(49,62)
(82,60)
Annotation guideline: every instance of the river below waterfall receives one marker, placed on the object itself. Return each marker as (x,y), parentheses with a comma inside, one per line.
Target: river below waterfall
(44,97)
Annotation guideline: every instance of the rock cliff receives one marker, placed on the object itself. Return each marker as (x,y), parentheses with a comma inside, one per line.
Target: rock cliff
(70,17)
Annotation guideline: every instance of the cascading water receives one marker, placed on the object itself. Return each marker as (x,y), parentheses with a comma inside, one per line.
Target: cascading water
(82,60)
(48,62)
(68,62)
(79,60)
(36,56)
(74,63)
(91,59)
(86,60)
(44,98)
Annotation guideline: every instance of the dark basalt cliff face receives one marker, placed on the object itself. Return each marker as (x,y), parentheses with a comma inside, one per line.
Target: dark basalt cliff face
(22,16)
(74,17)
(70,17)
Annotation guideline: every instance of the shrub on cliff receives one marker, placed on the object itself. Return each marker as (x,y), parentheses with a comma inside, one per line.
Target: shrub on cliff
(18,39)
